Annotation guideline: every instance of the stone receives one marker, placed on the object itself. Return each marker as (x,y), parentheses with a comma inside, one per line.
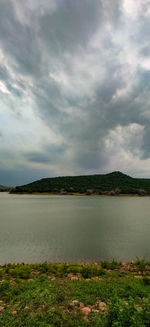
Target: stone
(86,311)
(74,303)
(41,307)
(53,278)
(102,306)
(1,309)
(26,307)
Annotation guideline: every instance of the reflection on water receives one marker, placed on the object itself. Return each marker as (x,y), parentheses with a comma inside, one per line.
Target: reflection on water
(70,228)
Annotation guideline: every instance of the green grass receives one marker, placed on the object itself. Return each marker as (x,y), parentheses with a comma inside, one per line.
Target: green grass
(57,294)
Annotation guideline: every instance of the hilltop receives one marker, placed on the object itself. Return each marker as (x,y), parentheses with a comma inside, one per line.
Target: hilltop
(114,183)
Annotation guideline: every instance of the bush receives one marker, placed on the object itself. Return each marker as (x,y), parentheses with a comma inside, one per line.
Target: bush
(20,271)
(111,265)
(141,264)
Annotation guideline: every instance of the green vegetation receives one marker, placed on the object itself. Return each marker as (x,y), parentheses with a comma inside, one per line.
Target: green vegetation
(75,295)
(4,188)
(110,184)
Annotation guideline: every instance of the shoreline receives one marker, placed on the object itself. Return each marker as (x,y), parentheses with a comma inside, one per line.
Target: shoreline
(81,194)
(132,265)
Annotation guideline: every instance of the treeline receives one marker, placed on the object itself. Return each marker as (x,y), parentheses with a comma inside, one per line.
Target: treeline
(111,184)
(4,188)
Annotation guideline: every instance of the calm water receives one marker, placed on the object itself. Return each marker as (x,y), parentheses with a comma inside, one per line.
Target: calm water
(68,228)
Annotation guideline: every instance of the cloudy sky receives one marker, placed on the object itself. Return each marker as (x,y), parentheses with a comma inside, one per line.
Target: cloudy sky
(74,88)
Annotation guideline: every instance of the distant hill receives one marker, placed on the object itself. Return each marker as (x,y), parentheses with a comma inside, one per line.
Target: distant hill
(114,183)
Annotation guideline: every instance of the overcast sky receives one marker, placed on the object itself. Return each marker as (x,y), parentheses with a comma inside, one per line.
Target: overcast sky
(74,88)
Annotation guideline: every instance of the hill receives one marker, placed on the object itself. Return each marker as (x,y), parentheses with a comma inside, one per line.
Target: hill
(111,184)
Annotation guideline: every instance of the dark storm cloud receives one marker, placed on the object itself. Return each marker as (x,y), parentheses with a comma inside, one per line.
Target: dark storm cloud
(4,75)
(74,85)
(38,157)
(50,154)
(18,176)
(19,40)
(68,27)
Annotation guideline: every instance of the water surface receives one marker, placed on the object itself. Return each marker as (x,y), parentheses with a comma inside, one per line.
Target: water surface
(38,228)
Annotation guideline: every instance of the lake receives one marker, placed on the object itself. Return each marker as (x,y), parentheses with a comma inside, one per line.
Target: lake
(38,228)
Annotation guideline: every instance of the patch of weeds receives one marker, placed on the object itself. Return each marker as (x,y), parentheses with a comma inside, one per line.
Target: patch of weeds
(141,264)
(89,271)
(20,271)
(111,265)
(122,274)
(146,281)
(44,267)
(74,268)
(122,314)
(98,321)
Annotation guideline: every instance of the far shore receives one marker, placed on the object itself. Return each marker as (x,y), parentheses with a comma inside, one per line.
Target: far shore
(81,194)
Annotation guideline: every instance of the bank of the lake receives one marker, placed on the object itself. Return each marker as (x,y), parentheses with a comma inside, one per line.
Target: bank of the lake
(73,295)
(83,194)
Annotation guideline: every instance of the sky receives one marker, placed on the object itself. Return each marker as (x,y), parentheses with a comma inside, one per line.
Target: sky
(74,88)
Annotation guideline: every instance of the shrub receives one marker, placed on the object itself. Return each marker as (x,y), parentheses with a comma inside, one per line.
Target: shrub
(111,265)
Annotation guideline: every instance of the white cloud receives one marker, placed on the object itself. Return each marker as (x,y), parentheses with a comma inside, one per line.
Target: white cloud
(134,8)
(3,88)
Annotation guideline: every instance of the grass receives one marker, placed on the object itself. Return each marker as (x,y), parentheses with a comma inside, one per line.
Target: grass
(75,295)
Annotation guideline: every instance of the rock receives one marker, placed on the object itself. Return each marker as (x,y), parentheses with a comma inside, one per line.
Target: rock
(41,307)
(117,191)
(1,309)
(26,307)
(86,311)
(102,306)
(89,192)
(147,268)
(73,277)
(141,192)
(53,278)
(74,303)
(63,191)
(112,193)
